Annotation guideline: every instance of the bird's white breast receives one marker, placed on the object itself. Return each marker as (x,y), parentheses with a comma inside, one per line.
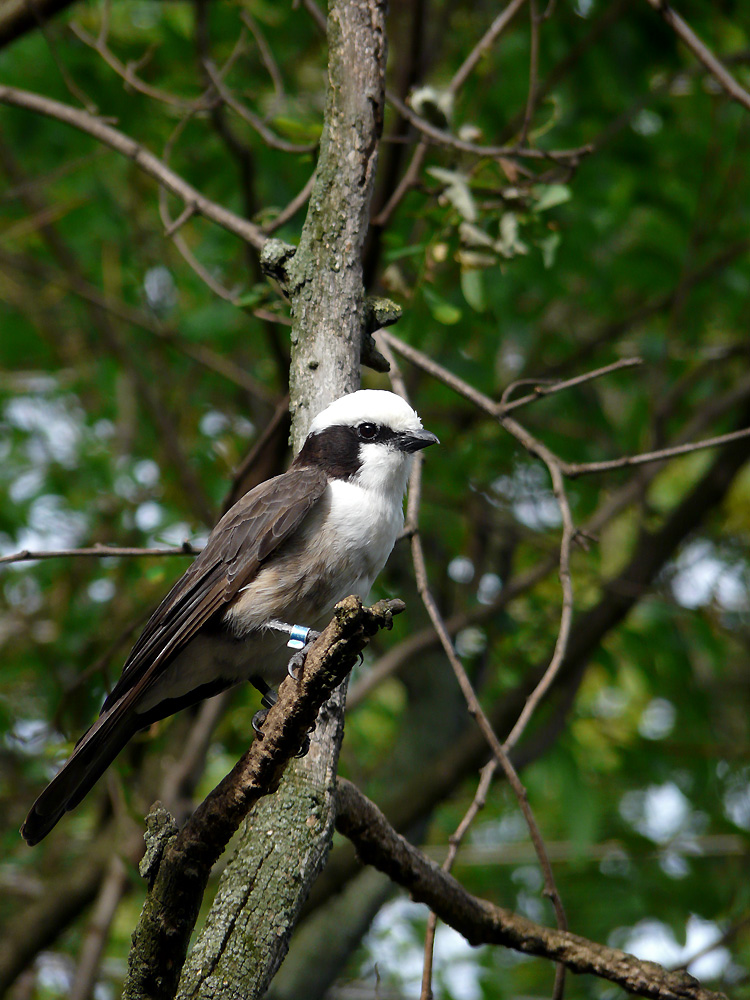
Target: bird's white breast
(339,550)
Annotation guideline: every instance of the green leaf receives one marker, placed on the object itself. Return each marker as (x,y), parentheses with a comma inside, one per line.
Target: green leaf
(472,285)
(550,195)
(549,246)
(444,312)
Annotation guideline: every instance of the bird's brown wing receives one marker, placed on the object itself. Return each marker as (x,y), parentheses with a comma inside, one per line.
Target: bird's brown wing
(237,547)
(247,535)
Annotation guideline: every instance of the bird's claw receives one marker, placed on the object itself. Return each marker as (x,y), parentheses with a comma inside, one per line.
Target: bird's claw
(297,661)
(257,722)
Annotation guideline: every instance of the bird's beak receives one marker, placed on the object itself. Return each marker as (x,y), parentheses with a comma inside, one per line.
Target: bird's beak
(412,441)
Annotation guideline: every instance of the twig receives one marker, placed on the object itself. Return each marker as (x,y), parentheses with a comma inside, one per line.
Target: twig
(569,469)
(497,27)
(702,52)
(142,157)
(127,73)
(547,387)
(199,353)
(454,842)
(266,53)
(407,182)
(113,888)
(443,138)
(481,922)
(269,137)
(171,227)
(479,716)
(500,757)
(573,469)
(535,21)
(566,583)
(319,18)
(298,202)
(98,552)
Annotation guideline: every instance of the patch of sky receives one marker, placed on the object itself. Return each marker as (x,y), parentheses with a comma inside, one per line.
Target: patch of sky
(508,829)
(657,719)
(646,122)
(148,515)
(653,941)
(160,289)
(736,797)
(55,427)
(146,472)
(489,587)
(395,945)
(461,569)
(663,813)
(101,590)
(701,577)
(527,493)
(471,641)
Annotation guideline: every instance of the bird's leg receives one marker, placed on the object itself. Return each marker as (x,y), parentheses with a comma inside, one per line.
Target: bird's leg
(267,701)
(300,639)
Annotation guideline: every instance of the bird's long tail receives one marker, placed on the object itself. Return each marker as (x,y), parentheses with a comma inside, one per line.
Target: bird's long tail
(93,754)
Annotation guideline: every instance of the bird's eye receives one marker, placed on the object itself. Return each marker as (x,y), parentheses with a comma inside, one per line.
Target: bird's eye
(367,432)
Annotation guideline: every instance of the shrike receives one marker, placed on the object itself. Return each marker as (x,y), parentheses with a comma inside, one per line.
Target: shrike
(288,551)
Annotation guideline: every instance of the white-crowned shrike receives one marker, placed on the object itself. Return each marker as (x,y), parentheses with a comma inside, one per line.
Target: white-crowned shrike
(287,552)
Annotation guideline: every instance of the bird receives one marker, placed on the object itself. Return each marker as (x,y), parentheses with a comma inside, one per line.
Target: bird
(285,553)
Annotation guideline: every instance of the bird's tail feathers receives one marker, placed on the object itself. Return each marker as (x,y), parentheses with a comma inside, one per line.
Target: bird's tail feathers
(93,754)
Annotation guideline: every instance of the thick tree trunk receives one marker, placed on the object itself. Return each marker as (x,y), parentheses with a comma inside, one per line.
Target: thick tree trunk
(286,840)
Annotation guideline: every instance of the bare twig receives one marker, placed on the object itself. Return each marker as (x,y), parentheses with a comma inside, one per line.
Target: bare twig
(497,27)
(570,469)
(127,71)
(454,842)
(478,714)
(547,387)
(255,121)
(443,138)
(266,53)
(172,226)
(298,202)
(142,157)
(98,552)
(701,51)
(573,469)
(535,21)
(199,353)
(407,182)
(111,891)
(319,18)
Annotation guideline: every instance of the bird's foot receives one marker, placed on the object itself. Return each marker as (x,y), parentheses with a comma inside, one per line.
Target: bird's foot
(297,661)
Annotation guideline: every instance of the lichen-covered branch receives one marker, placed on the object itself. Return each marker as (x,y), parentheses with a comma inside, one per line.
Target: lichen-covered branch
(178,869)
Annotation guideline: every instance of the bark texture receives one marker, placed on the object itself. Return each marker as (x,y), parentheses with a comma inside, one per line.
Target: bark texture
(324,277)
(286,842)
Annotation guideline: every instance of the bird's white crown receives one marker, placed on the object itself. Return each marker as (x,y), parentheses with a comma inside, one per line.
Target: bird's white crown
(371,406)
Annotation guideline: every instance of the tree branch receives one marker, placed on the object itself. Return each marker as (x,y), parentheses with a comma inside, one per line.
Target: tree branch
(177,885)
(481,922)
(701,51)
(142,157)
